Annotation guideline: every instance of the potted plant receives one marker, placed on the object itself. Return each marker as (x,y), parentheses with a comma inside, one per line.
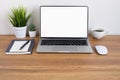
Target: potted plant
(19,19)
(32,30)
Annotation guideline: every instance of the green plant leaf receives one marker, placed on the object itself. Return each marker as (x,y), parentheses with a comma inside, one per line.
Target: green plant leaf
(32,27)
(18,18)
(27,18)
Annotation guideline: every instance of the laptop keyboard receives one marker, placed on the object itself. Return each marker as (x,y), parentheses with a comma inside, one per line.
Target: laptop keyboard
(64,42)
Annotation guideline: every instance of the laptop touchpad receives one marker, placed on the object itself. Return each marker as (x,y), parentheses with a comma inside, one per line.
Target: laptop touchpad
(67,49)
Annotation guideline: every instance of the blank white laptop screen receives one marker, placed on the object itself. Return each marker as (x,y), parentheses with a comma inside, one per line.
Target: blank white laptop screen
(63,21)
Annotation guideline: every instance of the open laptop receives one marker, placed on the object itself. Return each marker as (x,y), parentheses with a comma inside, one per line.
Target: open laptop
(64,29)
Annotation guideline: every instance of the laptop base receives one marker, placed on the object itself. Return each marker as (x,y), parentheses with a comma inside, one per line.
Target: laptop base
(64,48)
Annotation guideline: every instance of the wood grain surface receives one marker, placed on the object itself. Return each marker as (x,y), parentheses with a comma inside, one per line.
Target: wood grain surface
(55,66)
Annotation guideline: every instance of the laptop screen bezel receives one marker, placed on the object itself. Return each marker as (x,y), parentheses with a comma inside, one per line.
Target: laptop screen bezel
(65,37)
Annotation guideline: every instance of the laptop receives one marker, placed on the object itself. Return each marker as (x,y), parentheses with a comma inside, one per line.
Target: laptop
(64,29)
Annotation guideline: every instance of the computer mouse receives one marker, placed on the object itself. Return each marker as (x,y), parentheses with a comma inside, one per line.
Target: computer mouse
(101,49)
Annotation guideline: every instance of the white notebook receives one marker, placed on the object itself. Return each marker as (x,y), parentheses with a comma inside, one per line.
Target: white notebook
(15,45)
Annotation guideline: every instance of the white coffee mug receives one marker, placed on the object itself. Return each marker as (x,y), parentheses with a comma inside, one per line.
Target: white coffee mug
(98,33)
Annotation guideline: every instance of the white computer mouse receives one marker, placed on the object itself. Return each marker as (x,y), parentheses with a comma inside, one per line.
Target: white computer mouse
(101,49)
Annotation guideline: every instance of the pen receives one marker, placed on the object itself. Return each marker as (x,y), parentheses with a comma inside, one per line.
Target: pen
(24,45)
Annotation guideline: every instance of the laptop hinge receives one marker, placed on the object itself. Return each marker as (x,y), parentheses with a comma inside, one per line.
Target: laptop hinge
(63,38)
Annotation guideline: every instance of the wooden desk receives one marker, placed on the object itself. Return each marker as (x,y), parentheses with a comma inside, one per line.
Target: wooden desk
(62,66)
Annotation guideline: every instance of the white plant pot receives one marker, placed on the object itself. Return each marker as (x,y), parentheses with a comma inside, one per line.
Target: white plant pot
(20,32)
(32,33)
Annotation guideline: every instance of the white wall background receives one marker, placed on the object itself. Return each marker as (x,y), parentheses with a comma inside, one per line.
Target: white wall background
(103,13)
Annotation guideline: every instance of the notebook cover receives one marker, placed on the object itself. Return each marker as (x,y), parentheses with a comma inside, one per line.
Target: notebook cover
(29,49)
